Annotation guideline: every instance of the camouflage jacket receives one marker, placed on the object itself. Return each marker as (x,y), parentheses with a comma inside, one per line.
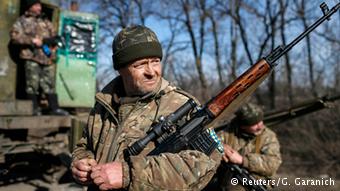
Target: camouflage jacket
(27,27)
(117,122)
(261,154)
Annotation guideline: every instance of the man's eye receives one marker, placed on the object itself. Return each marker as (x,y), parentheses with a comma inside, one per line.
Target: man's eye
(138,66)
(155,62)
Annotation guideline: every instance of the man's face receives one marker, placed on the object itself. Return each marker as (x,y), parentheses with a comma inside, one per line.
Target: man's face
(142,76)
(74,6)
(35,8)
(255,129)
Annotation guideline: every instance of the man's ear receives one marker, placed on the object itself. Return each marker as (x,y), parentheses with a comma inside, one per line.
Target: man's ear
(113,62)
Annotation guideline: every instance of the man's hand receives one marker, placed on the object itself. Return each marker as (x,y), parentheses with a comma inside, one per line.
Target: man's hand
(108,176)
(230,155)
(37,42)
(81,170)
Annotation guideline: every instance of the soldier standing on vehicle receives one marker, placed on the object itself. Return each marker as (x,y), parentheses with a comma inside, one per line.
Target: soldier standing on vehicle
(74,6)
(124,112)
(31,32)
(249,144)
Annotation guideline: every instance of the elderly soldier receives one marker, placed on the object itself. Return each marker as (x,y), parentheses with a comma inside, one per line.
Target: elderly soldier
(124,112)
(249,144)
(30,32)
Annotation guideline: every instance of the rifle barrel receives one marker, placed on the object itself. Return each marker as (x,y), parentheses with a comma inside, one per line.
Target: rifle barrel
(272,58)
(277,117)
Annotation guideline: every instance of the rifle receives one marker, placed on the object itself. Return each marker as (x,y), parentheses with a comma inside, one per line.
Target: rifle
(277,117)
(51,42)
(273,118)
(170,136)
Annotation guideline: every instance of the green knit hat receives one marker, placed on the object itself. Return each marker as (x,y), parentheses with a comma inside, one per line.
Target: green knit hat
(29,3)
(133,43)
(249,114)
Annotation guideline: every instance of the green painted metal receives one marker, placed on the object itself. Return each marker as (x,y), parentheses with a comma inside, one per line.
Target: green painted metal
(76,70)
(9,11)
(75,73)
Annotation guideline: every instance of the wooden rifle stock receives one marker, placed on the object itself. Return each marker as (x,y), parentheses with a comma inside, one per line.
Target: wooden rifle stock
(234,95)
(252,77)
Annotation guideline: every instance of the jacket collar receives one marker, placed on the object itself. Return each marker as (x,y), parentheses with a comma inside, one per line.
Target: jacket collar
(113,94)
(31,14)
(248,136)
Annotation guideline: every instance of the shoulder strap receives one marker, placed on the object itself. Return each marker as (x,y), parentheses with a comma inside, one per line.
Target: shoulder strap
(231,139)
(258,144)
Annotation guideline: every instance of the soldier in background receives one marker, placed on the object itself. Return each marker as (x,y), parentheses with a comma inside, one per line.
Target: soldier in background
(74,6)
(124,112)
(30,32)
(249,144)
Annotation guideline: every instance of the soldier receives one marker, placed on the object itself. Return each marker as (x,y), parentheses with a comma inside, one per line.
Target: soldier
(249,144)
(74,6)
(30,32)
(124,112)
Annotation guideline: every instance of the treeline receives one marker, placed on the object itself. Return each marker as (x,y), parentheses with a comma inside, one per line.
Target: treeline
(207,44)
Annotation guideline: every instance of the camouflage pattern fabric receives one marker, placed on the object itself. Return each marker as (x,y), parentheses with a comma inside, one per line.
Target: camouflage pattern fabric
(249,114)
(116,122)
(27,27)
(38,75)
(133,43)
(262,165)
(133,35)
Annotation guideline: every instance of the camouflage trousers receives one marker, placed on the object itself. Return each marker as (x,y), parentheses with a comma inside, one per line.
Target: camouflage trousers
(39,76)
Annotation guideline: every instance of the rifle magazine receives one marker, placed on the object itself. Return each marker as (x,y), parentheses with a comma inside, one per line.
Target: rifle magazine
(206,142)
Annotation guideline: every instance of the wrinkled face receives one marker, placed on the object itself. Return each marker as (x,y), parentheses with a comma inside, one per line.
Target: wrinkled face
(35,8)
(142,76)
(255,129)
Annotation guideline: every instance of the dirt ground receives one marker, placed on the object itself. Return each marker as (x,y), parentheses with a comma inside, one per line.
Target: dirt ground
(39,185)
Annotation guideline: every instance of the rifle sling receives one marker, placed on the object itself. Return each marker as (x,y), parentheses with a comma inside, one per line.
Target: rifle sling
(258,144)
(231,140)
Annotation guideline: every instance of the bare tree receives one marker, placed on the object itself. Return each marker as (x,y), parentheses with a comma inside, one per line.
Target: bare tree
(233,36)
(172,47)
(301,11)
(239,22)
(197,47)
(283,7)
(273,17)
(172,44)
(175,46)
(214,28)
(332,41)
(141,12)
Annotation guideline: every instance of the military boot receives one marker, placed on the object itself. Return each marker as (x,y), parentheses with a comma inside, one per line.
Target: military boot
(54,106)
(36,108)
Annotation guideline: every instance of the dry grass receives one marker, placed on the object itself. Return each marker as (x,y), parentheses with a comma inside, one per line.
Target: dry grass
(310,148)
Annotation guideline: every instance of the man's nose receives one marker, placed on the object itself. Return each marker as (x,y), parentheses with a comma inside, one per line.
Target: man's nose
(149,69)
(258,127)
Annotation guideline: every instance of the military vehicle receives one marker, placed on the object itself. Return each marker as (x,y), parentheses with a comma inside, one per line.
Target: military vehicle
(43,143)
